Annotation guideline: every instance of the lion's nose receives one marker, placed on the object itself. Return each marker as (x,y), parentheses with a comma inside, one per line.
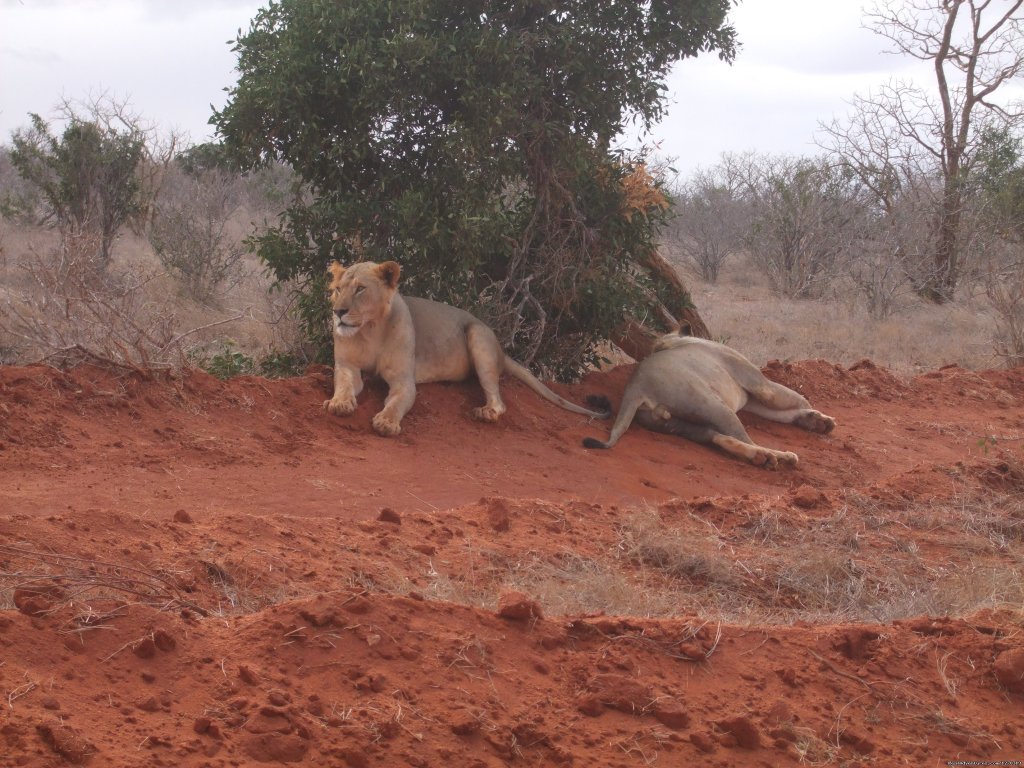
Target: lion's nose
(340,313)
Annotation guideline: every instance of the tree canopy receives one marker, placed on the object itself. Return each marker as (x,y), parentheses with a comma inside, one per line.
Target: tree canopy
(472,142)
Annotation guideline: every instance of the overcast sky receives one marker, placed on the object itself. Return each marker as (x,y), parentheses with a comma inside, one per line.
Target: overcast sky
(800,61)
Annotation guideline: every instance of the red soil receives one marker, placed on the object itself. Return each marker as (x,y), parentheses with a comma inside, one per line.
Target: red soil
(201,573)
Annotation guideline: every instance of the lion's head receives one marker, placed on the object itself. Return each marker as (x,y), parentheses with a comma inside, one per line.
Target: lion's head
(361,294)
(678,338)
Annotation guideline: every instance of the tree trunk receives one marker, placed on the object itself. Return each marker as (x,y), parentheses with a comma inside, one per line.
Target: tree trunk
(637,339)
(947,256)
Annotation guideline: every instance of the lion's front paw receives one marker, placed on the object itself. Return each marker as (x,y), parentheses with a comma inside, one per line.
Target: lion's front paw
(762,457)
(385,425)
(487,413)
(769,459)
(814,421)
(340,406)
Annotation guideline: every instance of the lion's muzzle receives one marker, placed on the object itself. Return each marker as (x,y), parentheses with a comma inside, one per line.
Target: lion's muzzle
(341,327)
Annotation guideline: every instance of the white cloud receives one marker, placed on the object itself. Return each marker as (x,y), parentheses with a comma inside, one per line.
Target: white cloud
(811,36)
(800,62)
(171,61)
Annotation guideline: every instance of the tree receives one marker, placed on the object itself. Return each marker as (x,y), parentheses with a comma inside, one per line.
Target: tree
(189,232)
(998,196)
(87,177)
(974,47)
(709,220)
(999,183)
(472,142)
(801,213)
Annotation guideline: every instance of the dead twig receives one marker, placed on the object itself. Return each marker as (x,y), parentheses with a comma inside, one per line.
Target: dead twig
(86,577)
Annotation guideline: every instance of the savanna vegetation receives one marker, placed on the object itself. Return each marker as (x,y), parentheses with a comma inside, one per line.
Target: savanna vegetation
(472,145)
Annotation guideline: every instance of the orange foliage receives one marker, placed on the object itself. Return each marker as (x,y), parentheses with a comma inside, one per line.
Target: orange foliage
(641,193)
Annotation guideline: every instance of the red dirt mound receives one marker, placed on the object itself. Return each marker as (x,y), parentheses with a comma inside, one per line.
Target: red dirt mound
(206,573)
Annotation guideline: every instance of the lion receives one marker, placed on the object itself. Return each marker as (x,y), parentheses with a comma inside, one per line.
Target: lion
(409,341)
(694,387)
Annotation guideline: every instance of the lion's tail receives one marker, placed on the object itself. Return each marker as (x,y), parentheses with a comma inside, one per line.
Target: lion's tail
(522,373)
(627,410)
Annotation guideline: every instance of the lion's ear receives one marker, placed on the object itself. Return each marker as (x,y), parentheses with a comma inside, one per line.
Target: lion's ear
(388,272)
(335,271)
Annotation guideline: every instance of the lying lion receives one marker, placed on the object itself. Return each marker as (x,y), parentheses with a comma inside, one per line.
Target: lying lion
(409,341)
(693,388)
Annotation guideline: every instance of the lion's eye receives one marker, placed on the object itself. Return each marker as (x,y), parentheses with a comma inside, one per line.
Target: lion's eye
(360,289)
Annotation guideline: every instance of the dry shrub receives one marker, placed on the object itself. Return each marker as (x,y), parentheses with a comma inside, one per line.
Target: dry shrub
(574,584)
(640,192)
(708,222)
(813,579)
(972,588)
(89,588)
(742,310)
(240,589)
(1005,289)
(861,563)
(988,518)
(986,525)
(72,309)
(566,584)
(189,233)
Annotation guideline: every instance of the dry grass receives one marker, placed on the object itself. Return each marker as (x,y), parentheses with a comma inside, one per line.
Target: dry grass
(240,589)
(648,543)
(743,312)
(91,588)
(862,563)
(872,559)
(740,309)
(129,313)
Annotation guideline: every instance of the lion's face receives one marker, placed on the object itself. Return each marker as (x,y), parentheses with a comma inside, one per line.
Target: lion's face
(361,294)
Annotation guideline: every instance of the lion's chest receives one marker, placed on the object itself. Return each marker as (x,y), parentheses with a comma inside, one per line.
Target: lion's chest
(354,352)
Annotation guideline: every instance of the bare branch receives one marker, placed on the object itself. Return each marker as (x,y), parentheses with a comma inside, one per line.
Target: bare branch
(974,52)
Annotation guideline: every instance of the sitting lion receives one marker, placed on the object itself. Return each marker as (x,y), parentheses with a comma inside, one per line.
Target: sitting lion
(693,388)
(409,341)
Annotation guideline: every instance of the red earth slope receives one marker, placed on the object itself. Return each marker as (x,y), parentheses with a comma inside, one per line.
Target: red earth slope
(206,573)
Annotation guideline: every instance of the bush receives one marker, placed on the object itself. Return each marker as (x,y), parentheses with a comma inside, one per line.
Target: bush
(709,221)
(227,363)
(188,232)
(230,362)
(801,212)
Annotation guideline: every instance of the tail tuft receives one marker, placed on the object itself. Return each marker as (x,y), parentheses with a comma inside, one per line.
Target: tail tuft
(590,442)
(600,403)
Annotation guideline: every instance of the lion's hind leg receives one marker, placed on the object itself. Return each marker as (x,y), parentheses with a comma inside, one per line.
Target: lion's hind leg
(777,402)
(804,417)
(736,443)
(487,359)
(815,421)
(756,454)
